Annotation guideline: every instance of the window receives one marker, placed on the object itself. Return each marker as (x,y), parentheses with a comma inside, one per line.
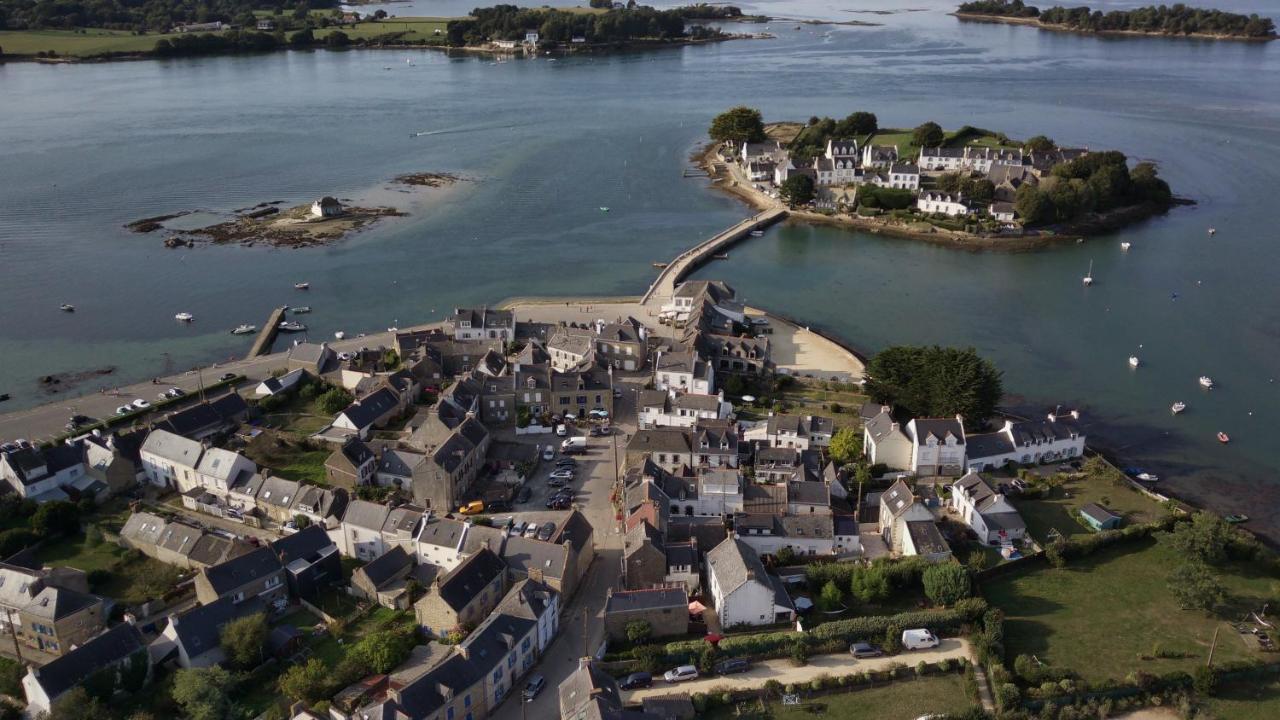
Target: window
(497,674)
(466,702)
(524,646)
(511,660)
(449,714)
(564,400)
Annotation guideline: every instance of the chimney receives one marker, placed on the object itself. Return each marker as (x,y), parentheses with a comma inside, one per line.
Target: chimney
(1075,414)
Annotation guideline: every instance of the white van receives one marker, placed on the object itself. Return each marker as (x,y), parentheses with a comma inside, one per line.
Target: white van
(919,639)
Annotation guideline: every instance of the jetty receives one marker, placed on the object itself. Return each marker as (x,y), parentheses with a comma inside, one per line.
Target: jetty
(267,335)
(689,260)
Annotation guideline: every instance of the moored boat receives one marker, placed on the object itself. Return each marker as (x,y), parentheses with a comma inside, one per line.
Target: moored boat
(1147,477)
(1087,280)
(756,233)
(1125,245)
(1236,518)
(291,326)
(302,310)
(302,286)
(1224,438)
(339,335)
(1134,361)
(67,307)
(184,317)
(1206,382)
(244,329)
(1178,407)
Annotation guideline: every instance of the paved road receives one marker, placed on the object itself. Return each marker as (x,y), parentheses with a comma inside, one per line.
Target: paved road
(46,421)
(784,672)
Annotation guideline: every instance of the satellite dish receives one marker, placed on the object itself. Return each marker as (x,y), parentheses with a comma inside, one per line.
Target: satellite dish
(748,398)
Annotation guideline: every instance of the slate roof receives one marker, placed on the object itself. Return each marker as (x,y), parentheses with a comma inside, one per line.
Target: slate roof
(809,493)
(651,599)
(356,452)
(659,440)
(524,554)
(1097,512)
(217,463)
(442,532)
(179,538)
(238,571)
(210,549)
(386,566)
(844,525)
(366,515)
(463,583)
(1031,432)
(110,647)
(199,629)
(367,410)
(734,564)
(575,530)
(898,498)
(306,544)
(584,684)
(987,445)
(143,528)
(278,491)
(174,448)
(54,603)
(479,537)
(401,463)
(926,537)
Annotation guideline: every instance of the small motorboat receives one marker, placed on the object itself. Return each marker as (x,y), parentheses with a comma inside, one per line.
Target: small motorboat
(1212,232)
(184,317)
(1147,477)
(1206,382)
(604,209)
(67,307)
(339,335)
(1224,438)
(291,326)
(302,310)
(756,233)
(244,329)
(392,329)
(1236,519)
(1134,361)
(1125,246)
(1178,407)
(1087,280)
(660,265)
(302,286)
(720,256)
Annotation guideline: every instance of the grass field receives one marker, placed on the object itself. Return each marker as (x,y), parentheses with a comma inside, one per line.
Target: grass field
(940,694)
(414,29)
(77,43)
(1054,511)
(1097,615)
(907,149)
(1246,701)
(291,459)
(131,581)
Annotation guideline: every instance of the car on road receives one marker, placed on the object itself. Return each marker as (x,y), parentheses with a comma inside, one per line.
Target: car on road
(125,409)
(562,474)
(524,495)
(919,639)
(226,376)
(535,686)
(556,482)
(599,414)
(141,404)
(559,503)
(475,507)
(561,430)
(549,454)
(865,650)
(729,667)
(635,681)
(547,530)
(174,392)
(680,674)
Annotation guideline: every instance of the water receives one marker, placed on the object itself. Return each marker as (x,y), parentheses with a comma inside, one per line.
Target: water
(545,144)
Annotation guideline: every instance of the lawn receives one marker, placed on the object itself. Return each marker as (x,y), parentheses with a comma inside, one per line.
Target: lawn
(133,579)
(411,29)
(1054,511)
(290,459)
(1246,701)
(937,694)
(907,149)
(78,43)
(1098,615)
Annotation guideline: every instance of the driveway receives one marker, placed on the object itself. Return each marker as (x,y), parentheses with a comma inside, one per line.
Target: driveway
(784,672)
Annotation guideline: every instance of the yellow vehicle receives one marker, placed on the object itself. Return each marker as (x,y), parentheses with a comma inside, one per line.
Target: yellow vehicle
(472,508)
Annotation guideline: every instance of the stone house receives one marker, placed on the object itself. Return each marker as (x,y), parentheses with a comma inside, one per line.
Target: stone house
(351,465)
(256,574)
(665,609)
(462,596)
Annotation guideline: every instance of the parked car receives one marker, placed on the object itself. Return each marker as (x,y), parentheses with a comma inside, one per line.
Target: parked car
(566,462)
(536,683)
(80,420)
(226,376)
(562,431)
(549,454)
(595,432)
(599,414)
(606,429)
(919,639)
(531,530)
(559,503)
(680,674)
(124,410)
(174,392)
(635,681)
(141,404)
(498,506)
(524,495)
(517,529)
(865,650)
(548,528)
(729,667)
(474,507)
(555,482)
(563,474)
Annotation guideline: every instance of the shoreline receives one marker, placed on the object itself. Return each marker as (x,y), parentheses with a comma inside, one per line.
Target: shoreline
(1114,221)
(1054,27)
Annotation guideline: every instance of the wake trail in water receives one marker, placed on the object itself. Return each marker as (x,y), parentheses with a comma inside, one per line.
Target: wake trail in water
(459,130)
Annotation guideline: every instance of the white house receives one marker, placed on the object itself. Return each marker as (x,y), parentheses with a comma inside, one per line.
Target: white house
(40,474)
(899,506)
(683,371)
(941,159)
(879,156)
(170,460)
(937,446)
(531,37)
(885,443)
(981,158)
(903,176)
(985,511)
(659,408)
(440,543)
(360,533)
(218,471)
(278,385)
(719,492)
(326,207)
(1053,439)
(845,537)
(841,149)
(766,533)
(800,432)
(483,323)
(1005,212)
(743,593)
(945,203)
(751,152)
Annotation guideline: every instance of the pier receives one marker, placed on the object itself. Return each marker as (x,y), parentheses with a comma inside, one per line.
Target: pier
(689,260)
(267,335)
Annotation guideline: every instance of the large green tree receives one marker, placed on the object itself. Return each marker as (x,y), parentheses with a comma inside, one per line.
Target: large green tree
(946,583)
(935,381)
(928,135)
(797,189)
(1196,586)
(307,682)
(846,446)
(1205,538)
(244,640)
(203,693)
(858,123)
(738,125)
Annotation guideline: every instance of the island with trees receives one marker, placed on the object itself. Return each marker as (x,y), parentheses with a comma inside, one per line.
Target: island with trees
(971,187)
(57,32)
(1164,20)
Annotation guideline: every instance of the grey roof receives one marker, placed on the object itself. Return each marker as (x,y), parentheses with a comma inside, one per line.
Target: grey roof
(463,583)
(442,532)
(585,684)
(808,492)
(210,549)
(366,515)
(905,168)
(987,445)
(949,152)
(479,537)
(173,448)
(777,458)
(808,526)
(248,484)
(402,520)
(306,544)
(317,500)
(386,566)
(524,554)
(696,401)
(870,409)
(664,440)
(218,463)
(781,597)
(401,463)
(926,537)
(1006,521)
(367,410)
(356,452)
(844,525)
(112,646)
(1097,512)
(675,706)
(485,317)
(310,352)
(575,530)
(652,398)
(278,491)
(179,538)
(143,528)
(652,599)
(199,629)
(575,341)
(939,428)
(53,603)
(682,555)
(238,571)
(1031,432)
(734,564)
(898,498)
(681,362)
(882,426)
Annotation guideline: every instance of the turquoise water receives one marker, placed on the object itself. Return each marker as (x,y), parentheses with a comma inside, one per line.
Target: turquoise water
(545,143)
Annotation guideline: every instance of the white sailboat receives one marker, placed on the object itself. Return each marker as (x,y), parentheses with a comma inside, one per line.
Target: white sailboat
(1125,246)
(184,317)
(1088,279)
(1134,361)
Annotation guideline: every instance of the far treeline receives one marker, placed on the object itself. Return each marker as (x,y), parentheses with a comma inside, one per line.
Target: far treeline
(1176,19)
(151,16)
(635,22)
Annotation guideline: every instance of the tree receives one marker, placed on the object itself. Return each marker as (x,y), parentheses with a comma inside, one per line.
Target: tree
(649,657)
(1205,681)
(797,189)
(1196,586)
(946,583)
(334,400)
(1205,538)
(1040,143)
(800,653)
(302,37)
(382,651)
(870,584)
(202,693)
(308,682)
(56,518)
(707,659)
(244,639)
(928,135)
(77,704)
(846,446)
(784,555)
(935,382)
(738,125)
(638,631)
(858,123)
(337,38)
(1032,205)
(831,598)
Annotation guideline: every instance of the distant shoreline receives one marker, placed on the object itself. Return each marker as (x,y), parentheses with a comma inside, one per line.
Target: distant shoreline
(1054,27)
